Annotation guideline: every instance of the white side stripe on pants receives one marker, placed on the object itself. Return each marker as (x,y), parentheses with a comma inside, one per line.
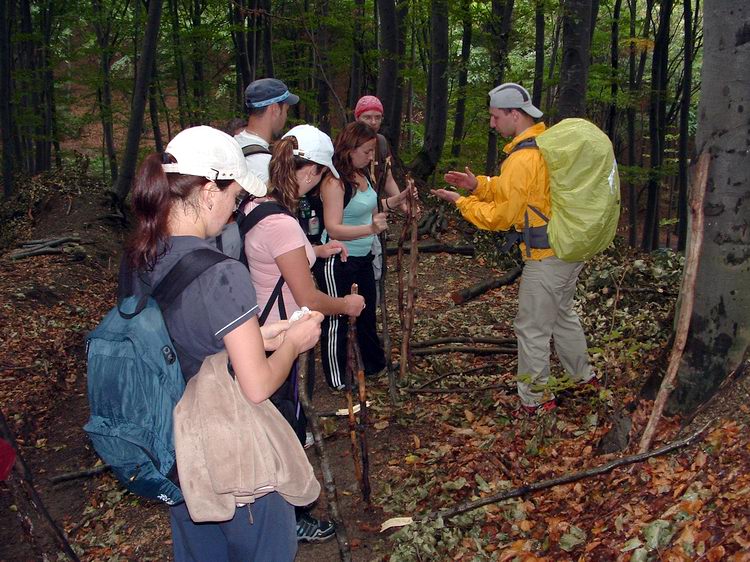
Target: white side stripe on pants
(333,326)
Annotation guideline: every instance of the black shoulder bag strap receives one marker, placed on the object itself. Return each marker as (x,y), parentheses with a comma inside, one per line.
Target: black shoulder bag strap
(182,274)
(253,149)
(247,222)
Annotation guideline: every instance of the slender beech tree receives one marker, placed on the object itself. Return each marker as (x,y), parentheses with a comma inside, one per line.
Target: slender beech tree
(183,107)
(6,116)
(394,119)
(463,79)
(536,95)
(500,26)
(140,91)
(356,75)
(633,94)
(574,68)
(267,39)
(436,116)
(657,125)
(719,336)
(614,56)
(682,151)
(388,62)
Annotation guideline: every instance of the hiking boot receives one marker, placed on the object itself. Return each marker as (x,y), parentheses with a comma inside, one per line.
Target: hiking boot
(535,410)
(310,529)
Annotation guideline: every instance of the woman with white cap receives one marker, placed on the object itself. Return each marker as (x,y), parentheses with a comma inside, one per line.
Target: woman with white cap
(280,256)
(181,198)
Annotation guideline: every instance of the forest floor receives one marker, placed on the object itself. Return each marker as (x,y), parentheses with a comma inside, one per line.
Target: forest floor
(454,440)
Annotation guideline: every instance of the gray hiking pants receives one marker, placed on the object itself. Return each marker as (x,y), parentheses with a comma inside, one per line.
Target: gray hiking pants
(545,310)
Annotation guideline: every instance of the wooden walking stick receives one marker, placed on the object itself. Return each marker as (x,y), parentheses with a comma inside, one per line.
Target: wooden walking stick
(408,316)
(342,536)
(355,364)
(351,369)
(382,176)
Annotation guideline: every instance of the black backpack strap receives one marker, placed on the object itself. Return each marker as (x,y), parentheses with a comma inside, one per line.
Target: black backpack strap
(525,143)
(184,273)
(276,296)
(247,221)
(253,149)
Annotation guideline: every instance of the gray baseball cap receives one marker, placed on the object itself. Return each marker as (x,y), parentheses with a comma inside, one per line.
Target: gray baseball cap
(513,96)
(267,91)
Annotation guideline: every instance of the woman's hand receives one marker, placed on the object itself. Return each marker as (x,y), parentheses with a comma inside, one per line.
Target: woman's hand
(379,222)
(332,248)
(305,332)
(273,334)
(354,304)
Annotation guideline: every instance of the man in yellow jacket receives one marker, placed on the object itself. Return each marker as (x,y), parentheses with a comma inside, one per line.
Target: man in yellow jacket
(505,202)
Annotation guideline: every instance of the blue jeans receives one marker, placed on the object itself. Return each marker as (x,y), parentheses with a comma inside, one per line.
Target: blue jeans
(262,531)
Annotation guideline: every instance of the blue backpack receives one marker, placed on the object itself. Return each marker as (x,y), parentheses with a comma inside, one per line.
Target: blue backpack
(135,381)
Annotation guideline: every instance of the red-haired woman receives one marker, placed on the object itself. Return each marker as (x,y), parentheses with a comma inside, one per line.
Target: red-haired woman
(351,215)
(180,198)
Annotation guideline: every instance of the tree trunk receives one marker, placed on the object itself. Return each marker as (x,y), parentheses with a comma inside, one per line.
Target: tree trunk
(657,125)
(356,76)
(394,120)
(103,30)
(6,117)
(536,95)
(615,70)
(719,335)
(183,108)
(388,60)
(632,88)
(502,14)
(267,39)
(197,58)
(437,100)
(552,93)
(153,109)
(324,109)
(148,52)
(574,68)
(687,86)
(463,80)
(45,79)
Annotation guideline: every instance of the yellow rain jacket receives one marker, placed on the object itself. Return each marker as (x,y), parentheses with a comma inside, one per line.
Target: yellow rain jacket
(499,202)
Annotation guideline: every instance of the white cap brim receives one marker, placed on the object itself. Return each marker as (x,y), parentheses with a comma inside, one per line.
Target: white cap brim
(252,184)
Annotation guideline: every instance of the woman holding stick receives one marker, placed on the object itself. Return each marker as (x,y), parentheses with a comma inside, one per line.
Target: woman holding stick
(350,215)
(276,248)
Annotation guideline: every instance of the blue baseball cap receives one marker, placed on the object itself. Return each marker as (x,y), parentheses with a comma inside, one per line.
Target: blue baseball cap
(267,91)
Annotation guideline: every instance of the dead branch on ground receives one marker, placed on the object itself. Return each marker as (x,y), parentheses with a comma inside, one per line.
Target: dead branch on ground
(86,473)
(44,247)
(687,290)
(436,248)
(460,297)
(463,339)
(465,349)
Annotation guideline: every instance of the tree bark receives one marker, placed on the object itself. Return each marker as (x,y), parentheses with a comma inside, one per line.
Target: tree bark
(394,120)
(536,95)
(267,39)
(324,120)
(388,62)
(632,89)
(437,101)
(183,109)
(153,109)
(6,116)
(148,52)
(197,58)
(502,14)
(615,73)
(574,69)
(719,335)
(657,125)
(463,80)
(682,151)
(356,76)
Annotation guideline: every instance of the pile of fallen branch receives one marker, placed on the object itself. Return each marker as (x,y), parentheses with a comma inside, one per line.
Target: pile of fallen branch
(46,246)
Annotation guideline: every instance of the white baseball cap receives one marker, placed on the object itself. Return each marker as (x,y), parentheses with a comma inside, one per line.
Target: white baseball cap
(314,145)
(513,96)
(212,154)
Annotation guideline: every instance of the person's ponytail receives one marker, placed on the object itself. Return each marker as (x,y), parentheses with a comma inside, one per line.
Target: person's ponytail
(153,194)
(282,173)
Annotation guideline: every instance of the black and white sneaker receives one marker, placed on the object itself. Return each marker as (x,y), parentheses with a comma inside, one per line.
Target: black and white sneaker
(310,529)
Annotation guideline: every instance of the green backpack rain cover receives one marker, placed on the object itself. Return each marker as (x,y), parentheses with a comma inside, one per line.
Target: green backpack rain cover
(584,188)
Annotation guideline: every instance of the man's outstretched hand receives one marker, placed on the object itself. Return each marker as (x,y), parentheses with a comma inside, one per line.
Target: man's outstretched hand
(465,180)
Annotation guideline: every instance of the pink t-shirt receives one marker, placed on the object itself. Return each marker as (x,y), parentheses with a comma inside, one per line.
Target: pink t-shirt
(272,237)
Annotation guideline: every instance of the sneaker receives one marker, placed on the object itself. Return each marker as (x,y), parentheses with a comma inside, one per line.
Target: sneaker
(309,440)
(538,409)
(310,529)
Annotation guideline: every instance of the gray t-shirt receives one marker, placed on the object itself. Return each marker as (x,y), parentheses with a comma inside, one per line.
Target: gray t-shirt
(217,302)
(256,163)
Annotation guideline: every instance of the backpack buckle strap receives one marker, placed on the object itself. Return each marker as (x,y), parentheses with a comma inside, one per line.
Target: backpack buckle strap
(535,236)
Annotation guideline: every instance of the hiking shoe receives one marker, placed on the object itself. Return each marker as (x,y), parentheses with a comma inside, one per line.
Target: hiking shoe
(538,409)
(310,529)
(309,440)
